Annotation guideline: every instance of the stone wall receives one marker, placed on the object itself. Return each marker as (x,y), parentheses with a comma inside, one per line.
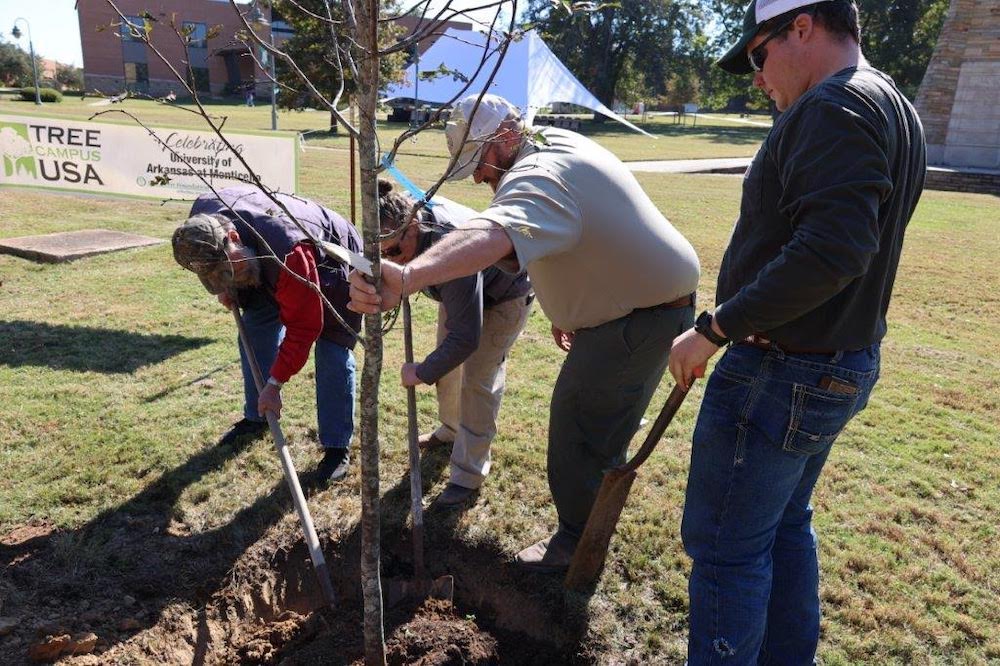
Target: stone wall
(952,180)
(959,99)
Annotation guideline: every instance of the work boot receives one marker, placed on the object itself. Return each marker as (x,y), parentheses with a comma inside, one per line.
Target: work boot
(243,432)
(333,467)
(431,441)
(454,495)
(551,555)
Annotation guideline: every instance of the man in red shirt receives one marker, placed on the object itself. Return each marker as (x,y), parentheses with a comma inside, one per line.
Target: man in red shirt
(246,250)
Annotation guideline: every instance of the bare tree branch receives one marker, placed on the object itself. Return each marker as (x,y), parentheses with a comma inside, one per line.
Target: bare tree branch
(298,72)
(144,36)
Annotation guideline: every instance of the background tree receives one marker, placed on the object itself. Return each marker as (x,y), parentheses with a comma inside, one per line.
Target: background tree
(664,51)
(621,47)
(898,37)
(313,49)
(15,65)
(68,76)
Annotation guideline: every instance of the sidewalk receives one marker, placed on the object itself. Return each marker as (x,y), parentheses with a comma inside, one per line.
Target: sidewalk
(956,179)
(718,165)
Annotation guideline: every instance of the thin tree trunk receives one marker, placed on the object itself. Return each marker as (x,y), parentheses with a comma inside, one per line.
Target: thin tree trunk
(371,584)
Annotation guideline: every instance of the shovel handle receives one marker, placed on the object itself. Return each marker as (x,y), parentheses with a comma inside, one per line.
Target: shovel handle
(298,498)
(673,403)
(416,482)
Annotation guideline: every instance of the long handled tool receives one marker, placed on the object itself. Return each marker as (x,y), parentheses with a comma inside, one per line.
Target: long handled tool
(592,549)
(421,586)
(305,519)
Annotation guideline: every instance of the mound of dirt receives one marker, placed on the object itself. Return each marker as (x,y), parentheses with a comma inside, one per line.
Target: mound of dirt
(125,588)
(437,636)
(431,634)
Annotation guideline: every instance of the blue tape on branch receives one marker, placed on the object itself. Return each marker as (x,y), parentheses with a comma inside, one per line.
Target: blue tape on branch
(411,187)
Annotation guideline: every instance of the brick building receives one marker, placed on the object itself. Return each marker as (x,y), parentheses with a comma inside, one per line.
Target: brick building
(220,64)
(959,99)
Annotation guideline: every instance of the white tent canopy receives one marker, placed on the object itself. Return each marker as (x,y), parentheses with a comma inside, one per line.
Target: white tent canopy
(530,77)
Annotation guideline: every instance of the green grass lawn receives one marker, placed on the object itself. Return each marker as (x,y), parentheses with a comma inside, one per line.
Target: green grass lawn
(117,370)
(710,137)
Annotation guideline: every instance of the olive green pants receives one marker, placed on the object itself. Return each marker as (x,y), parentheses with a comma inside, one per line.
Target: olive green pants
(603,389)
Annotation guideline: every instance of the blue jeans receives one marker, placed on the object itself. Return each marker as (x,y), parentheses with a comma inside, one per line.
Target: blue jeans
(334,374)
(764,431)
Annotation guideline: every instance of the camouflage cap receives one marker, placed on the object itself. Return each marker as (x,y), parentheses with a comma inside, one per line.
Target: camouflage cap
(199,246)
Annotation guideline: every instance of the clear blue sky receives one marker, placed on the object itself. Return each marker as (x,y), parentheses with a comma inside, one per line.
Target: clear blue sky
(55,29)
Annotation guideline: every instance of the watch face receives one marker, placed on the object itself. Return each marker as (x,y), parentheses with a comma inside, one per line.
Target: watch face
(704,320)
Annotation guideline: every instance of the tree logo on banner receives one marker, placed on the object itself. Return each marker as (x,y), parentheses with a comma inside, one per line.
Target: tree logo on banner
(16,150)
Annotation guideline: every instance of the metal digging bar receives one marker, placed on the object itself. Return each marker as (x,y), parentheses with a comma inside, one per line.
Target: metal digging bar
(305,519)
(421,586)
(588,559)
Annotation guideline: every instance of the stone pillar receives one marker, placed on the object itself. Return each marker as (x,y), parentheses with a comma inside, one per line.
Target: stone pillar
(959,99)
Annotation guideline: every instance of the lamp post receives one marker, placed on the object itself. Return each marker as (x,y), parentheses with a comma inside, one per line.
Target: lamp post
(257,18)
(16,32)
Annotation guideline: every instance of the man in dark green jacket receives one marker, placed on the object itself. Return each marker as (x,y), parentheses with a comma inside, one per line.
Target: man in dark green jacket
(801,300)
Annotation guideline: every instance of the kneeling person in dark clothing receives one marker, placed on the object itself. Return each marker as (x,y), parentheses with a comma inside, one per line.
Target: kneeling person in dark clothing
(236,243)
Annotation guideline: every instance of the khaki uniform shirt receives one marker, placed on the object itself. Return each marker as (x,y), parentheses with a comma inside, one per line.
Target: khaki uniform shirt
(593,243)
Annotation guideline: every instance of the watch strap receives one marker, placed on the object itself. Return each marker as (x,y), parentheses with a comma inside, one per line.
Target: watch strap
(703,326)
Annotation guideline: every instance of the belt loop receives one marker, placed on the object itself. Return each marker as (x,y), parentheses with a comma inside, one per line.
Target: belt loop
(777,350)
(836,357)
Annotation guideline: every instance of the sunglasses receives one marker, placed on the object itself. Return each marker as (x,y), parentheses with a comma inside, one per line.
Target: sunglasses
(393,251)
(758,55)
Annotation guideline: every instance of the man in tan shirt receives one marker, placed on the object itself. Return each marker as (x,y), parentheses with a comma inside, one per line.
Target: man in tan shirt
(615,278)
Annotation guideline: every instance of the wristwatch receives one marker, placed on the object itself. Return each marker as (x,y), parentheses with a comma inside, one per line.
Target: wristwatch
(703,325)
(274,382)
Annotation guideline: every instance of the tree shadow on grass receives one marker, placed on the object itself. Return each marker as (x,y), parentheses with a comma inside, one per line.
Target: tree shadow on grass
(79,579)
(85,348)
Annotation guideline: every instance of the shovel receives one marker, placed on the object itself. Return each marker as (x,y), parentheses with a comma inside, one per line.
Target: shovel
(305,519)
(592,550)
(420,587)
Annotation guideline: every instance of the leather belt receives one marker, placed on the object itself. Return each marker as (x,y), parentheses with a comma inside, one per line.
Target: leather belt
(761,342)
(681,302)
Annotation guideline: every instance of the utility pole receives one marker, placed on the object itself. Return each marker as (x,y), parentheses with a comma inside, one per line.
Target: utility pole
(258,18)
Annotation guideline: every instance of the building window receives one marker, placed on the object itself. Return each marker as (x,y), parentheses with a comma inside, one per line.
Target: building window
(279,26)
(137,23)
(196,33)
(137,77)
(197,52)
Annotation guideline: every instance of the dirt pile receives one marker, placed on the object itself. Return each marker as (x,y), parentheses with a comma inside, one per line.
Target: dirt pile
(125,589)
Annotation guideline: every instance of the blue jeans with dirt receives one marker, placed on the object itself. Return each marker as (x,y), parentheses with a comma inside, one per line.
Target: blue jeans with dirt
(765,428)
(335,370)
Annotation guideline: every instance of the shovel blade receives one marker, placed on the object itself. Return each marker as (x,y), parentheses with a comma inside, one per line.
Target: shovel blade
(592,550)
(418,589)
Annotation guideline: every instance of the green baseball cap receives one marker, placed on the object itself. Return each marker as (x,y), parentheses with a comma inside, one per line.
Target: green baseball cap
(200,246)
(735,61)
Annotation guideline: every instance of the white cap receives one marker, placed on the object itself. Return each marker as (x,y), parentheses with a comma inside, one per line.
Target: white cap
(492,111)
(765,10)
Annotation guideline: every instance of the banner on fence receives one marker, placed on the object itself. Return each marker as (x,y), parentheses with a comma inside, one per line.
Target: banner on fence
(103,158)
